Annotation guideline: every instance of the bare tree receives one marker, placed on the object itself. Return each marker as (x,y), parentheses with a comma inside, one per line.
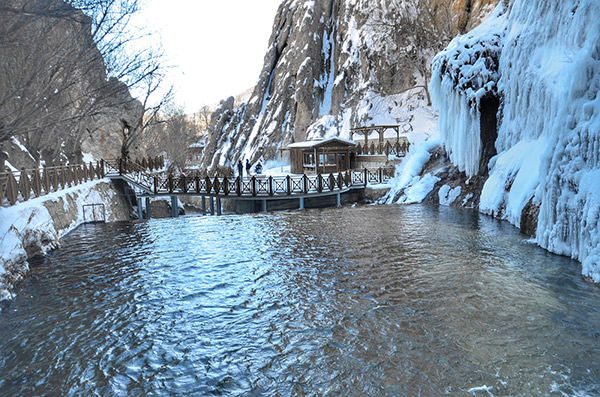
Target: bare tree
(64,63)
(172,135)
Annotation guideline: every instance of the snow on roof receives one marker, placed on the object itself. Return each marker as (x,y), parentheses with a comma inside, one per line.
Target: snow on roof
(319,142)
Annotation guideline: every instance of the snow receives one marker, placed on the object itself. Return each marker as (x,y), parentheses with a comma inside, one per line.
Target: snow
(462,74)
(543,60)
(448,195)
(88,158)
(408,181)
(417,191)
(513,179)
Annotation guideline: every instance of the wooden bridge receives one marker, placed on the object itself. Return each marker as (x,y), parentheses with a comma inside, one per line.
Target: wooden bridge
(149,181)
(255,188)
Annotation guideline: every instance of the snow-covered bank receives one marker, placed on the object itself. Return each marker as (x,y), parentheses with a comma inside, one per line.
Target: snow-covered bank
(35,226)
(541,61)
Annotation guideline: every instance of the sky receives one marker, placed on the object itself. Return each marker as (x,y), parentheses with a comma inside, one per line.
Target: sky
(216,47)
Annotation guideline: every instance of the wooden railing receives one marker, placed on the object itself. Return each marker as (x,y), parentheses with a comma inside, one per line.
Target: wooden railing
(397,149)
(30,183)
(21,186)
(156,184)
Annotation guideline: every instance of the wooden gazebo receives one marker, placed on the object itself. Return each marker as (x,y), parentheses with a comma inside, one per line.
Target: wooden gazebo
(320,156)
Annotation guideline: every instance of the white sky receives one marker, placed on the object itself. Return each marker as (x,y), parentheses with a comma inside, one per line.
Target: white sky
(216,46)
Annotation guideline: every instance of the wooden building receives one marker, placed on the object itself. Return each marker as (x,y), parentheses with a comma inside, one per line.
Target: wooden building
(320,156)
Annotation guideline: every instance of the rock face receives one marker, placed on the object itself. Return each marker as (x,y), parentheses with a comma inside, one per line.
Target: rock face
(335,64)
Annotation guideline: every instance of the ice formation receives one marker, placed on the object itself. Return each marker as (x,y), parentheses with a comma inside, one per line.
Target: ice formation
(543,61)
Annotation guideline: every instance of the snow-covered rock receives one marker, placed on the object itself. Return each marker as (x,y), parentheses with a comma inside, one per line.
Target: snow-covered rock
(542,61)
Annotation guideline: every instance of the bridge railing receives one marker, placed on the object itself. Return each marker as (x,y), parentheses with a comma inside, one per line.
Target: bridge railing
(258,185)
(399,148)
(23,185)
(20,186)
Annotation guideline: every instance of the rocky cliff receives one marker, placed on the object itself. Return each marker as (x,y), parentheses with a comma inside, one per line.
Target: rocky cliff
(335,64)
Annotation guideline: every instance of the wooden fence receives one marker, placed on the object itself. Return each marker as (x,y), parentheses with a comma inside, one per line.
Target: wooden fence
(398,149)
(21,186)
(258,186)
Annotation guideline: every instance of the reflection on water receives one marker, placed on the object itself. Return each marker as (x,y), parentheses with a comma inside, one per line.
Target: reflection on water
(367,301)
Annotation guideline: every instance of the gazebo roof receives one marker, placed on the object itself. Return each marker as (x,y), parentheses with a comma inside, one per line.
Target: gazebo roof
(321,142)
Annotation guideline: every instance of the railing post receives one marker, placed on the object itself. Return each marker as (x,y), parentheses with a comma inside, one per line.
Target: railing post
(170,183)
(183,182)
(380,175)
(55,182)
(319,183)
(270,188)
(331,182)
(24,185)
(46,180)
(289,184)
(304,185)
(365,175)
(12,189)
(197,183)
(253,185)
(225,186)
(155,185)
(238,185)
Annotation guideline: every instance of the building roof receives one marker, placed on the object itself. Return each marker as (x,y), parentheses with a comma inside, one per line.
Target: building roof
(320,142)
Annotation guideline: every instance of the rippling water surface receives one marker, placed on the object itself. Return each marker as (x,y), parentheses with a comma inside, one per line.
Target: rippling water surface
(385,300)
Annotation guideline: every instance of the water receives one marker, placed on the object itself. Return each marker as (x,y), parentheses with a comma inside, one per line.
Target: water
(386,300)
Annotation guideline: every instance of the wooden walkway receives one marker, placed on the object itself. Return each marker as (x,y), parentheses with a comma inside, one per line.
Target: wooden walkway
(255,187)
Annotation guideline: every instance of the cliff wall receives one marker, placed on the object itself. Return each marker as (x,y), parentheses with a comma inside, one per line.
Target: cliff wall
(335,64)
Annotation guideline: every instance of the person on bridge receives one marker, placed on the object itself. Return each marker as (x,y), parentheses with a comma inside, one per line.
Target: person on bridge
(258,168)
(240,168)
(248,167)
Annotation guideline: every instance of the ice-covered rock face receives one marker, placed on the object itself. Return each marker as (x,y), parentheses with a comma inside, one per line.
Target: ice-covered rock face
(330,65)
(548,144)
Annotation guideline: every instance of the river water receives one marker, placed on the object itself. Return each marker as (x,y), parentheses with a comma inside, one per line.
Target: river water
(370,300)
